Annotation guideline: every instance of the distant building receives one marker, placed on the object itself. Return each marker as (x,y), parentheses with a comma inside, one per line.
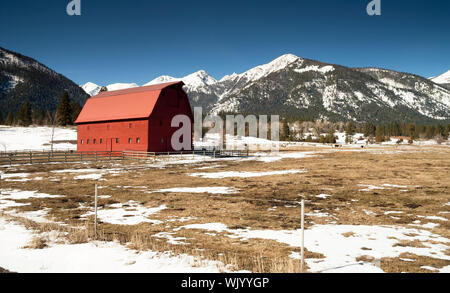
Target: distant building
(137,119)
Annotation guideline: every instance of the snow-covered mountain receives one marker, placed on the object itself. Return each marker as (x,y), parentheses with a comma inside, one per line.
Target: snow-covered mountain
(193,81)
(443,79)
(93,89)
(120,86)
(297,87)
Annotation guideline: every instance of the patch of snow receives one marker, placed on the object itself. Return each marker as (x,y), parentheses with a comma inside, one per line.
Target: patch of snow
(231,174)
(6,204)
(393,212)
(18,194)
(429,268)
(370,187)
(436,218)
(171,239)
(427,225)
(211,190)
(130,213)
(395,186)
(88,177)
(324,69)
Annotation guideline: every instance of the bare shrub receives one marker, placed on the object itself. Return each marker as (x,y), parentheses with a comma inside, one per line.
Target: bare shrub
(37,243)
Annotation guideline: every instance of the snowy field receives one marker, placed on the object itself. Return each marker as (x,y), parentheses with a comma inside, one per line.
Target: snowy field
(367,210)
(39,138)
(36,138)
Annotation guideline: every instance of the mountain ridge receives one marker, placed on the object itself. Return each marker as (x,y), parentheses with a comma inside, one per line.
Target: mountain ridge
(299,87)
(25,79)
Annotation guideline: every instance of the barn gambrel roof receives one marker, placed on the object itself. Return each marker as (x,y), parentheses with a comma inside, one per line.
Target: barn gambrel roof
(134,103)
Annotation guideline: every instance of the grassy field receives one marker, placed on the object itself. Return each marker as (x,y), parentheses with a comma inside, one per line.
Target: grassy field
(390,186)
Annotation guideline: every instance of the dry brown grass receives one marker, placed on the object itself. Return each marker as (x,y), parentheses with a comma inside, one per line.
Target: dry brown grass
(403,264)
(336,173)
(37,243)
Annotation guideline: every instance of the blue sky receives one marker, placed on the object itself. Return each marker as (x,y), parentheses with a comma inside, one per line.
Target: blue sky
(138,40)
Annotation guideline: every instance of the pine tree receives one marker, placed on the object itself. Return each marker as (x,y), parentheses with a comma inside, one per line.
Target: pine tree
(48,118)
(429,132)
(9,119)
(411,131)
(24,115)
(76,109)
(40,117)
(379,133)
(369,129)
(330,138)
(350,129)
(103,89)
(447,132)
(286,131)
(64,111)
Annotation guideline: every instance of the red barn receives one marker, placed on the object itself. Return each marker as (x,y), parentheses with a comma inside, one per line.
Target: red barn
(137,119)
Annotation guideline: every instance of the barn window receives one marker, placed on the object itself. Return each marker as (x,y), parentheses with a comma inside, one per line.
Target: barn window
(130,140)
(81,141)
(162,140)
(117,140)
(94,141)
(138,140)
(87,141)
(101,140)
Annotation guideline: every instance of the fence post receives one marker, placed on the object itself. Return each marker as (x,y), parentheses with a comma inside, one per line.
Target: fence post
(95,221)
(303,237)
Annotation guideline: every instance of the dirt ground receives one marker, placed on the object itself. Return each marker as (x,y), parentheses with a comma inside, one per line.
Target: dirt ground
(361,188)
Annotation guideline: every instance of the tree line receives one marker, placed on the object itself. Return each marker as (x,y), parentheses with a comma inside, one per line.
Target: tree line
(313,131)
(66,114)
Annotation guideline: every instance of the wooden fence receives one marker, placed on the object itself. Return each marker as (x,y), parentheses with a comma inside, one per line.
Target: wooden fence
(36,157)
(203,152)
